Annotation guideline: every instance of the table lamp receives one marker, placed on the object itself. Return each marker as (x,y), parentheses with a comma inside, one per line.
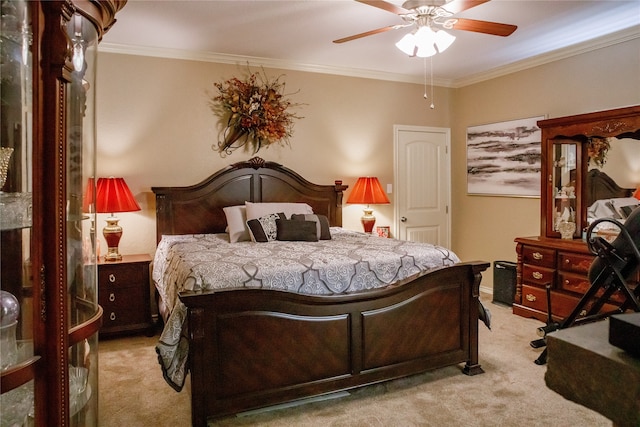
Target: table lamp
(113,195)
(368,190)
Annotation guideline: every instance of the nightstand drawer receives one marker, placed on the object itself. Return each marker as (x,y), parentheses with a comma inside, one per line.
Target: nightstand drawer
(118,299)
(122,275)
(122,318)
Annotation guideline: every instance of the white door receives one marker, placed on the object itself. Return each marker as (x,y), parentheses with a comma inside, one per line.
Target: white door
(423,184)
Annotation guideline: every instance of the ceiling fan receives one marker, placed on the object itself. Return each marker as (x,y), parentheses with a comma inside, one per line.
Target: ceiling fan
(434,13)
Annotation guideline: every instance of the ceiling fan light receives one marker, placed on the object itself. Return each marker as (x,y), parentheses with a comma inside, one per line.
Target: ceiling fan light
(425,35)
(444,40)
(425,40)
(407,44)
(426,51)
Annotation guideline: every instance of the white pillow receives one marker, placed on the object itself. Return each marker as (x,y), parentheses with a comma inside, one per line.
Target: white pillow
(237,223)
(258,210)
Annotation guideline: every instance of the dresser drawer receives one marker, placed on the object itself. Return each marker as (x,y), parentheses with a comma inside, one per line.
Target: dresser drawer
(122,275)
(580,285)
(536,275)
(534,255)
(577,263)
(561,304)
(575,283)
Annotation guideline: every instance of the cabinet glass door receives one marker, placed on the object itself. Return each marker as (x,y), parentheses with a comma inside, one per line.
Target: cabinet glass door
(564,211)
(16,184)
(83,310)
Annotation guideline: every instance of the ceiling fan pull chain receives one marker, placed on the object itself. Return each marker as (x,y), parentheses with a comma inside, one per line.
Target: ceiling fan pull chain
(433,95)
(424,62)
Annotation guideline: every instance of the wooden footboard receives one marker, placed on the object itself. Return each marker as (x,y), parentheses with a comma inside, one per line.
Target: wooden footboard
(255,348)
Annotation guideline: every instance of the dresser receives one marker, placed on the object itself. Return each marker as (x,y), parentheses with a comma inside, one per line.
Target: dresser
(124,295)
(561,264)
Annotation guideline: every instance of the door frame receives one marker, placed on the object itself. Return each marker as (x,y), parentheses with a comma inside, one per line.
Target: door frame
(425,129)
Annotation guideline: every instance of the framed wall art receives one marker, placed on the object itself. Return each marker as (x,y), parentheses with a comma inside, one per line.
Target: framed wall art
(503,159)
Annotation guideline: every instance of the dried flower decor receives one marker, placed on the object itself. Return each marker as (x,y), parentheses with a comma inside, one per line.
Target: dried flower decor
(597,149)
(256,110)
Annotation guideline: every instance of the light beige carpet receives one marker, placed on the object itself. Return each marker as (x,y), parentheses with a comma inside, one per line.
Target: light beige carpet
(511,392)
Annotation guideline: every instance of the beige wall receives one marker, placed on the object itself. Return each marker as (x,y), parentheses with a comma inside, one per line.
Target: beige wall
(155,129)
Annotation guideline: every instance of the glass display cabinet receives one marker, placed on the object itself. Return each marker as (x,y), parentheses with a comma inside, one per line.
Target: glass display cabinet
(48,271)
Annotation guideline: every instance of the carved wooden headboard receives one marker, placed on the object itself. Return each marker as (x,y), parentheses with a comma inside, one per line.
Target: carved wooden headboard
(198,208)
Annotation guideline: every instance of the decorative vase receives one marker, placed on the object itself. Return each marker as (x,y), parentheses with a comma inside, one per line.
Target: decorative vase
(9,311)
(567,229)
(5,156)
(231,136)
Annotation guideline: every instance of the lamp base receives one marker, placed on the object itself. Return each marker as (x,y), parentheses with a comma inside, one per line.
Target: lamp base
(112,233)
(368,220)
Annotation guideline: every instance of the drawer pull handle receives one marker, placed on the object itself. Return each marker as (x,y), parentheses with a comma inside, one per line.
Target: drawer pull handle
(537,275)
(530,297)
(567,282)
(567,261)
(112,278)
(112,297)
(537,255)
(112,316)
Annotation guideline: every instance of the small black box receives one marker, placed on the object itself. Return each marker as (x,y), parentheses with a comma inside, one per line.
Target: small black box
(624,332)
(504,282)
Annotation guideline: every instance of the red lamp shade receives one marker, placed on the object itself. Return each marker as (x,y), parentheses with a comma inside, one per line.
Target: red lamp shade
(88,199)
(636,193)
(368,191)
(113,195)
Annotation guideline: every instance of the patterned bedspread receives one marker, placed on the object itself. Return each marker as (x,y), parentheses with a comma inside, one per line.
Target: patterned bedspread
(349,262)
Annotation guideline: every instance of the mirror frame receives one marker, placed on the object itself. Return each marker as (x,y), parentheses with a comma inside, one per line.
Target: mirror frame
(579,128)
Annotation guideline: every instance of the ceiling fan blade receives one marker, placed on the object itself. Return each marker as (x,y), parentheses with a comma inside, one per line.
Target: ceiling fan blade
(389,7)
(457,6)
(486,27)
(368,33)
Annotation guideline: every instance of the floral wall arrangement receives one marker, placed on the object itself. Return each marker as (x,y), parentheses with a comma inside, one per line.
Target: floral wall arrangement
(256,110)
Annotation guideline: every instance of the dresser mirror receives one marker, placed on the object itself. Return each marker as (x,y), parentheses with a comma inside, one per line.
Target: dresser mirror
(623,161)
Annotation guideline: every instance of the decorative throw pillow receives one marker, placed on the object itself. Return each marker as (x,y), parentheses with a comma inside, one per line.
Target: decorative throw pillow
(264,229)
(237,223)
(322,224)
(257,210)
(297,231)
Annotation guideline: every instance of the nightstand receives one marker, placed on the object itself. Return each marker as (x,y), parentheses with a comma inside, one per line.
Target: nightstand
(123,293)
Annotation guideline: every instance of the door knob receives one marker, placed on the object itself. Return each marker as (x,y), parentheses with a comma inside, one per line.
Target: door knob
(403,219)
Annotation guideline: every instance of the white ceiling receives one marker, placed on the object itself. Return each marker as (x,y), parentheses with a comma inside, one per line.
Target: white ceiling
(298,34)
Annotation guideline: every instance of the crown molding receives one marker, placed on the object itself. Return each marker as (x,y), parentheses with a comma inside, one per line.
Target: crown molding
(567,52)
(599,43)
(222,58)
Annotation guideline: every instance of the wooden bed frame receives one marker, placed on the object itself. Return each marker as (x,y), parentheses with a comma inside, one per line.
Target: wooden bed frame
(254,348)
